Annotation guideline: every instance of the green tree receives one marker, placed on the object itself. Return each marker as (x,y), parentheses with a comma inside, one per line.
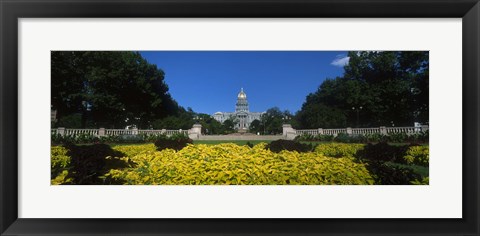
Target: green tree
(228,126)
(209,124)
(272,120)
(110,89)
(390,87)
(255,126)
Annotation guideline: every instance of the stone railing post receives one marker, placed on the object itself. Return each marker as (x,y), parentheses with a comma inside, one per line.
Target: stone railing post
(163,131)
(101,132)
(349,131)
(289,132)
(61,131)
(424,128)
(383,130)
(320,131)
(195,132)
(287,128)
(135,131)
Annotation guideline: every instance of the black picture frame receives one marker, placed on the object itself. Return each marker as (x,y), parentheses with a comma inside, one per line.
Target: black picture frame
(11,11)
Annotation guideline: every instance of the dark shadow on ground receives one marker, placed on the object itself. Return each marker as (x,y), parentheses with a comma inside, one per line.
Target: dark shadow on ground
(387,165)
(89,163)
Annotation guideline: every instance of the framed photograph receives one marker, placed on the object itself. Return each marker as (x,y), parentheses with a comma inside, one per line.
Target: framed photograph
(239,117)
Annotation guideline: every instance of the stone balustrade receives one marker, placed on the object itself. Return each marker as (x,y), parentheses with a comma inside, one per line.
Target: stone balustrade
(307,131)
(115,132)
(334,132)
(360,131)
(290,133)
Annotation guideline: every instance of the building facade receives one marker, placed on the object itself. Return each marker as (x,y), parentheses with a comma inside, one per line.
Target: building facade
(242,116)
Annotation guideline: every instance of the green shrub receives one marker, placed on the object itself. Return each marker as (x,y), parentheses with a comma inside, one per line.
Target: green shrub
(151,138)
(57,139)
(175,142)
(130,138)
(310,137)
(342,138)
(110,139)
(345,138)
(423,181)
(305,137)
(397,137)
(86,138)
(375,138)
(289,145)
(383,152)
(388,173)
(325,137)
(417,155)
(421,137)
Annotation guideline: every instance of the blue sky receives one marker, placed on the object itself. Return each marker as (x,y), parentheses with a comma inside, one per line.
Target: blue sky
(209,81)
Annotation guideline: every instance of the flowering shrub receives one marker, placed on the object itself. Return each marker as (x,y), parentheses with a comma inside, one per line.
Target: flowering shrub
(339,149)
(133,150)
(59,165)
(225,164)
(231,164)
(417,155)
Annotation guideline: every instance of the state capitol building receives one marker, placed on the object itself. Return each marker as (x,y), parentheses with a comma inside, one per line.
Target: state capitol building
(242,117)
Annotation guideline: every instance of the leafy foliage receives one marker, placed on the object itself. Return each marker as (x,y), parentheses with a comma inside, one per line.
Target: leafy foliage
(319,137)
(390,86)
(110,89)
(57,139)
(60,163)
(175,142)
(388,173)
(421,137)
(89,163)
(339,149)
(227,164)
(272,120)
(288,145)
(333,163)
(417,155)
(383,152)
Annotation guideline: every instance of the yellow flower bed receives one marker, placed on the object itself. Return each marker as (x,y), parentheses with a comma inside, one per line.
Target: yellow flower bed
(132,150)
(226,164)
(339,149)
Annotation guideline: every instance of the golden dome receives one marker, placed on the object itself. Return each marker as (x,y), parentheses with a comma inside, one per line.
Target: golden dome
(242,95)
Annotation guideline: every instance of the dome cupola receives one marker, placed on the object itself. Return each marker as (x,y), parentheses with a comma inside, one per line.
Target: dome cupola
(242,95)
